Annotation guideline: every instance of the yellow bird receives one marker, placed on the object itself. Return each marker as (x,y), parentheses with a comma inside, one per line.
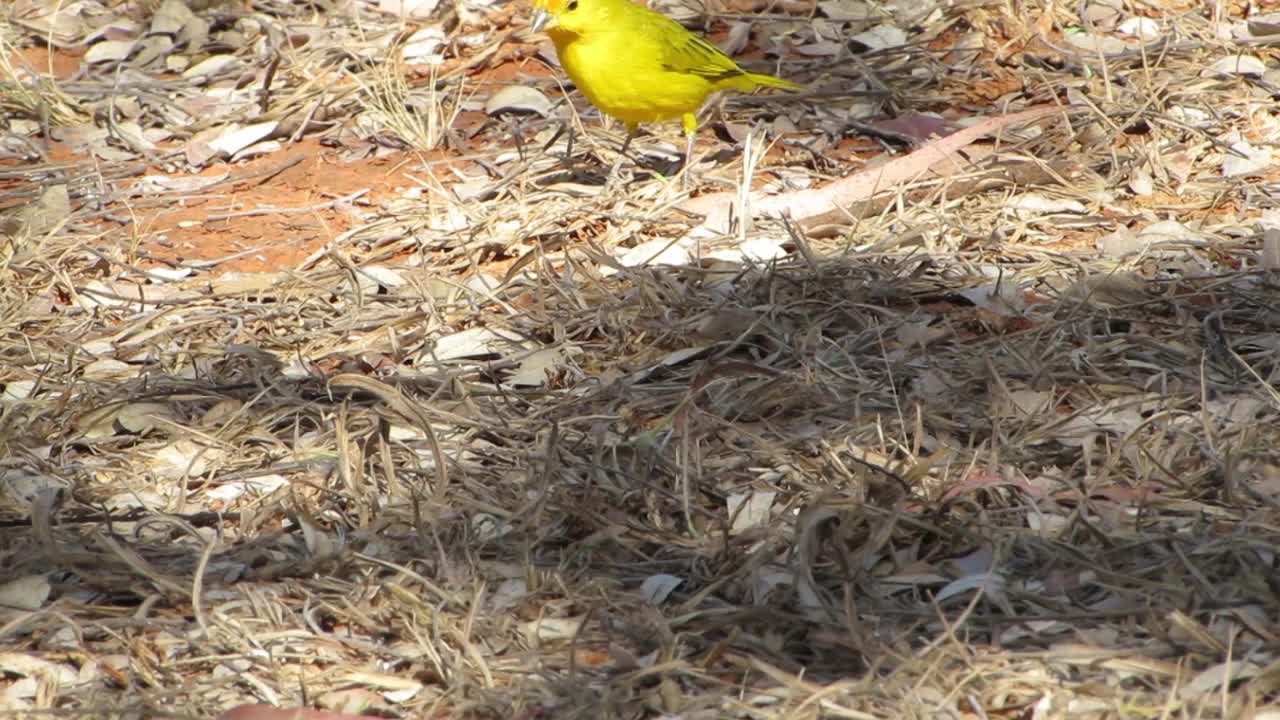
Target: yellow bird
(638,65)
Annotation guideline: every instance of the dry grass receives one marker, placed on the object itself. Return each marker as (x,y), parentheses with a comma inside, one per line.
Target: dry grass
(949,459)
(419,120)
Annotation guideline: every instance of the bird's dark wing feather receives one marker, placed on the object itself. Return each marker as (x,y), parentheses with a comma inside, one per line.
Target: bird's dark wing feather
(685,52)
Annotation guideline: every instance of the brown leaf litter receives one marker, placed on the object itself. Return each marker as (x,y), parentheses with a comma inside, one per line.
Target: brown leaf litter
(333,376)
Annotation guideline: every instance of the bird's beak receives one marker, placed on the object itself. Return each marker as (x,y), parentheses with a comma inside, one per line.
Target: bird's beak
(542,20)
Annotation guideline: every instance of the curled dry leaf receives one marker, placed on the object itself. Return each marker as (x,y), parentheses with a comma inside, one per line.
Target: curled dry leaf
(142,417)
(518,99)
(739,36)
(845,10)
(657,588)
(1122,243)
(32,666)
(749,510)
(552,629)
(1140,27)
(184,458)
(1245,159)
(1091,45)
(48,212)
(660,251)
(474,342)
(881,37)
(537,367)
(1239,65)
(375,278)
(1264,24)
(261,485)
(109,51)
(424,45)
(25,593)
(211,67)
(1036,203)
(17,390)
(1003,297)
(1024,403)
(50,22)
(236,137)
(1271,249)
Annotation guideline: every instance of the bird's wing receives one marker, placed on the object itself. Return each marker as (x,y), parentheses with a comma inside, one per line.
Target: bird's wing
(685,52)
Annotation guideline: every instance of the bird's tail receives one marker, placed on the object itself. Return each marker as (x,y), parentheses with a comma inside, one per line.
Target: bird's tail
(760,79)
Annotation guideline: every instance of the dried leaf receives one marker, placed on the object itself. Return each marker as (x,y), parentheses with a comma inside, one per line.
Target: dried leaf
(657,588)
(25,593)
(49,212)
(737,39)
(880,37)
(1140,27)
(1212,678)
(29,665)
(1025,403)
(1038,203)
(843,10)
(537,367)
(550,628)
(1264,24)
(108,369)
(990,584)
(749,510)
(236,138)
(184,458)
(1271,249)
(1241,64)
(1110,289)
(1002,297)
(518,99)
(143,417)
(211,67)
(474,342)
(408,9)
(424,45)
(1122,243)
(109,51)
(17,391)
(374,278)
(659,251)
(260,485)
(1245,159)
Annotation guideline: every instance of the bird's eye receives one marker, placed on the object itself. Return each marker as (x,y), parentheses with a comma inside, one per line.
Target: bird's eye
(573,5)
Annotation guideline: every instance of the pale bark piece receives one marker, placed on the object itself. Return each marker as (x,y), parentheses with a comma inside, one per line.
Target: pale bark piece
(832,202)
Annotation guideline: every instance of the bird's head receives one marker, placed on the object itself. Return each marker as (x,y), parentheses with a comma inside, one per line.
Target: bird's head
(568,16)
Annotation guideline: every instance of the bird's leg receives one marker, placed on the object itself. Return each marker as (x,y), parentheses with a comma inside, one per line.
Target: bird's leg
(631,132)
(622,155)
(690,123)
